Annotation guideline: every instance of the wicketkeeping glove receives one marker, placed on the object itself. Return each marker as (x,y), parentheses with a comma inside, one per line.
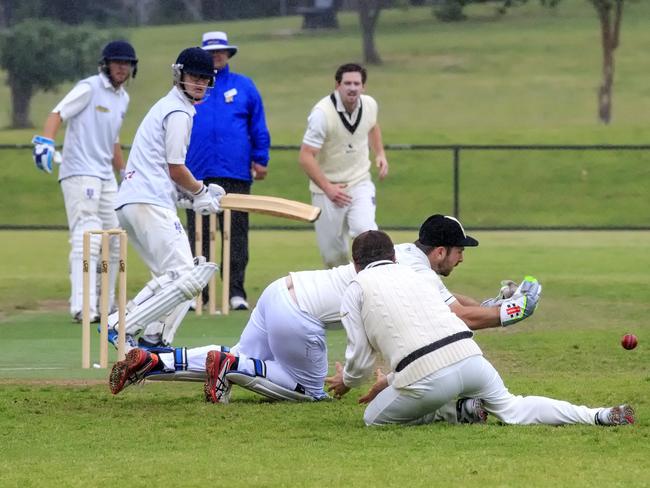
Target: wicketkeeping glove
(206,200)
(44,153)
(523,303)
(508,288)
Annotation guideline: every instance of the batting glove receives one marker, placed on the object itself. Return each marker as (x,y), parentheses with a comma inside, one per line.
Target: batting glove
(522,304)
(44,153)
(206,200)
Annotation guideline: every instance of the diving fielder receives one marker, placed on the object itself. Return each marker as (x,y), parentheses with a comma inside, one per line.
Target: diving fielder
(146,206)
(93,110)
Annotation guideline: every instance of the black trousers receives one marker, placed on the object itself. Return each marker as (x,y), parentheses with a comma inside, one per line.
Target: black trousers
(238,237)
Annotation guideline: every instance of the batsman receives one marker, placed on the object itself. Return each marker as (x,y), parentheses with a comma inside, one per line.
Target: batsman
(93,111)
(146,206)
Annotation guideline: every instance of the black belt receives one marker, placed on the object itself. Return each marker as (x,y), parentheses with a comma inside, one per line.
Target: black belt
(418,353)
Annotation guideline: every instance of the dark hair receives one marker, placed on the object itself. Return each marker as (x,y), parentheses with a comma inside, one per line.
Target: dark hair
(371,246)
(351,68)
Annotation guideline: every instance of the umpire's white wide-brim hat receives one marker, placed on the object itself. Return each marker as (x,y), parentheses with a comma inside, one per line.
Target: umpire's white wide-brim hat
(218,41)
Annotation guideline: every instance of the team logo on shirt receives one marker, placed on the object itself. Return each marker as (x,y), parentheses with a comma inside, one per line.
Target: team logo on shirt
(229,95)
(178,227)
(101,108)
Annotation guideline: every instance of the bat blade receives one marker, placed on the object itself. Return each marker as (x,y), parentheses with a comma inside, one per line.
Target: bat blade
(279,207)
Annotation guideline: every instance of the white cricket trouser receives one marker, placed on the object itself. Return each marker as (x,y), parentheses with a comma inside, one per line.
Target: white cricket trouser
(336,225)
(473,377)
(290,341)
(89,203)
(158,236)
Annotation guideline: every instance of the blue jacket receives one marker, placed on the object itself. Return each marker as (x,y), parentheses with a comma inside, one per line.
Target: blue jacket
(229,134)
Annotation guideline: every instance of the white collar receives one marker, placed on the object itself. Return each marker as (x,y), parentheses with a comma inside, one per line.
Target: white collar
(381,262)
(341,108)
(106,83)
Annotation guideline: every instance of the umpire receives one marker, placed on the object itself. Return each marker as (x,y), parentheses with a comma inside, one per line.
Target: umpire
(229,146)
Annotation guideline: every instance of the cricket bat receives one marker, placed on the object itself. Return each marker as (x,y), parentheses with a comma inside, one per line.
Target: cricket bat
(279,207)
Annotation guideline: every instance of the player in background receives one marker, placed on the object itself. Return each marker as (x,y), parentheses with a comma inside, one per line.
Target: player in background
(155,179)
(230,147)
(334,154)
(93,112)
(392,311)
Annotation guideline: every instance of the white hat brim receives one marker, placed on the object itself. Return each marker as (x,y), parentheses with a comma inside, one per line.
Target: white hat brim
(232,50)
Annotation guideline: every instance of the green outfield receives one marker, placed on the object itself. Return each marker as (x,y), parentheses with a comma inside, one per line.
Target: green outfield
(527,78)
(60,424)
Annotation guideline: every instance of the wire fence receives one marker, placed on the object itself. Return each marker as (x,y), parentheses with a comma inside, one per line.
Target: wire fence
(489,187)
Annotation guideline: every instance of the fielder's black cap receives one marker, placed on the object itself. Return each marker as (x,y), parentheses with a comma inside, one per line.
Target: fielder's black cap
(442,230)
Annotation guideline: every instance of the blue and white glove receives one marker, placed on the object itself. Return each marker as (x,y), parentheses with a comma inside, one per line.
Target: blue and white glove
(44,153)
(206,200)
(522,304)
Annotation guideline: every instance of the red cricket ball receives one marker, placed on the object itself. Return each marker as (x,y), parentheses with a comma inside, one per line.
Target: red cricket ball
(629,341)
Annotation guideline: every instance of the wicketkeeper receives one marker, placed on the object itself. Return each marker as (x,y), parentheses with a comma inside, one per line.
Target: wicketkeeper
(390,310)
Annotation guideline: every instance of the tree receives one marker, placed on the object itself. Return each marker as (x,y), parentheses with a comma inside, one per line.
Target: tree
(369,11)
(610,28)
(41,54)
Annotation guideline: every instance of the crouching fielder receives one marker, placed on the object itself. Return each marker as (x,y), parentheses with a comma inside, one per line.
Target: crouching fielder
(146,206)
(390,310)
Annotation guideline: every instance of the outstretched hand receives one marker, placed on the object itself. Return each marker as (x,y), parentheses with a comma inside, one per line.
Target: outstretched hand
(380,384)
(335,383)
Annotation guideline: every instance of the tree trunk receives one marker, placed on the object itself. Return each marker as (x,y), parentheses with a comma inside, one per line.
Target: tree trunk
(21,98)
(195,9)
(4,21)
(368,14)
(609,38)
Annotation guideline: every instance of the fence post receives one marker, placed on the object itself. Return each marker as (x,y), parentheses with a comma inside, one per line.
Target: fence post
(457,182)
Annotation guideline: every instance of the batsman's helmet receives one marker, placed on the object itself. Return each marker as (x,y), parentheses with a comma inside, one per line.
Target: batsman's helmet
(119,51)
(194,61)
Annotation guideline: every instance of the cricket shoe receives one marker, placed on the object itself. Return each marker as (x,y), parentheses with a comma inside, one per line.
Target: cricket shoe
(78,317)
(133,369)
(471,411)
(239,303)
(147,345)
(217,387)
(621,415)
(129,341)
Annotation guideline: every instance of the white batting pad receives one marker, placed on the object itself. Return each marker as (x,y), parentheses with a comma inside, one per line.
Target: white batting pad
(264,387)
(162,295)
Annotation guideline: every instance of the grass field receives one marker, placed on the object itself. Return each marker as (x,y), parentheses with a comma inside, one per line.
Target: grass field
(528,77)
(61,426)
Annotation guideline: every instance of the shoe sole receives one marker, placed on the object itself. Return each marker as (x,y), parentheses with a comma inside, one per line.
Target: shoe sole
(216,371)
(478,414)
(623,415)
(123,370)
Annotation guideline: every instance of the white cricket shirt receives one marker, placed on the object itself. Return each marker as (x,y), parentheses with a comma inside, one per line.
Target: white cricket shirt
(319,292)
(161,139)
(94,111)
(411,256)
